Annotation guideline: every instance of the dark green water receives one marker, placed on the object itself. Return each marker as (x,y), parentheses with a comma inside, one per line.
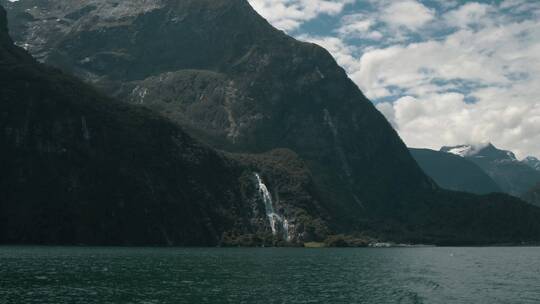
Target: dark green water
(400,275)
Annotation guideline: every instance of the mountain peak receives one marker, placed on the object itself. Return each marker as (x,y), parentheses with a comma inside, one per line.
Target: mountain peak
(513,176)
(485,150)
(493,152)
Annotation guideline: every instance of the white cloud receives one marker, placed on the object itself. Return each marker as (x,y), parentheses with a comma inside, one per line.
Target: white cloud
(520,5)
(463,74)
(391,20)
(359,26)
(462,56)
(469,14)
(290,14)
(498,66)
(446,119)
(409,14)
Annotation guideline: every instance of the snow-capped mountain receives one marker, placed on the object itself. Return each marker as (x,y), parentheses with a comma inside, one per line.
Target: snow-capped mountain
(463,150)
(487,150)
(513,176)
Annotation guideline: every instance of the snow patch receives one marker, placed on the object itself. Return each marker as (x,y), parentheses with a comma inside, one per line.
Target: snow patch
(466,150)
(461,151)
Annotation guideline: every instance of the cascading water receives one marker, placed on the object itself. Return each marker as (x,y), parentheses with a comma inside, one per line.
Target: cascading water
(277,222)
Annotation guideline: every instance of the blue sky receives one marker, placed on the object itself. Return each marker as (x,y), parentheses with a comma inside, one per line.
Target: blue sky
(443,72)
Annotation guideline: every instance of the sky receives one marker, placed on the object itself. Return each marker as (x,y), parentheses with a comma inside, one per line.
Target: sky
(443,72)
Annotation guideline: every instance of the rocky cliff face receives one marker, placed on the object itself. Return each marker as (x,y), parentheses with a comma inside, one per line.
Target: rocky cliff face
(80,168)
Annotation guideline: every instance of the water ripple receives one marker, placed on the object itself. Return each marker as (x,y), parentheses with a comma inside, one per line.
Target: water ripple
(144,275)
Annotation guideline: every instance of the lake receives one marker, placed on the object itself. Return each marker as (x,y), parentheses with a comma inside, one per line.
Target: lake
(269,275)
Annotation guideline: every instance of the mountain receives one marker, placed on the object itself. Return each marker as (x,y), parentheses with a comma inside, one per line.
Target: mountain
(230,79)
(513,176)
(532,162)
(453,172)
(80,168)
(113,173)
(533,195)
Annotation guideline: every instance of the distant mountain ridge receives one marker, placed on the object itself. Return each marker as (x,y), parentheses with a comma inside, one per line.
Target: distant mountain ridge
(513,176)
(454,172)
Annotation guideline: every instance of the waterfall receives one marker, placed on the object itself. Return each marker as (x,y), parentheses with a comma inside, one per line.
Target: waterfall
(277,222)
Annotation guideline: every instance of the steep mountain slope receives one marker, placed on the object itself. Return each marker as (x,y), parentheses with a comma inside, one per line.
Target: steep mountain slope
(533,196)
(513,176)
(453,172)
(222,72)
(78,167)
(218,69)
